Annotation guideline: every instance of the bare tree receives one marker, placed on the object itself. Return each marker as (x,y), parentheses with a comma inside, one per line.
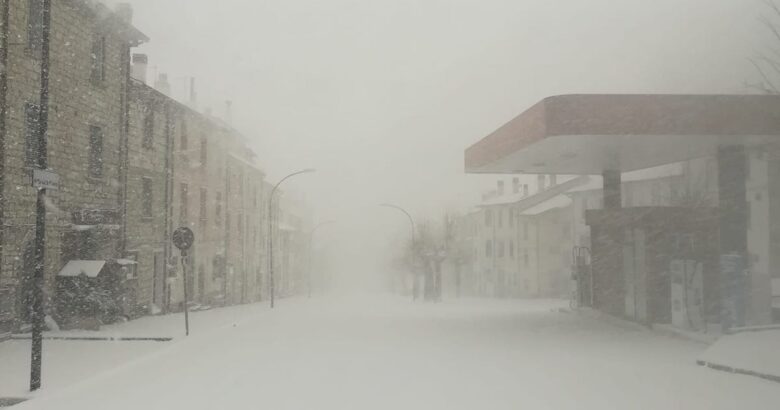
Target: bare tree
(767,63)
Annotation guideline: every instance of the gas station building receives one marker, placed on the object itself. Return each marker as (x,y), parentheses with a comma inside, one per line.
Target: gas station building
(695,265)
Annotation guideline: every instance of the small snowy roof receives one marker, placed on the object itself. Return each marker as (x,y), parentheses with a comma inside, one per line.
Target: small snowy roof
(560,201)
(649,174)
(79,267)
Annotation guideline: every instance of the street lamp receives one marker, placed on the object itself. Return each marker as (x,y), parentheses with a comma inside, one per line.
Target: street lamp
(411,222)
(271,230)
(311,249)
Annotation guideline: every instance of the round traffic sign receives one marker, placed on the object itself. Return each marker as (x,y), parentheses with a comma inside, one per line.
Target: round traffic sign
(183,238)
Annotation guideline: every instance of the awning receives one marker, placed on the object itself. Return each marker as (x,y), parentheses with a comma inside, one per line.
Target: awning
(589,134)
(82,268)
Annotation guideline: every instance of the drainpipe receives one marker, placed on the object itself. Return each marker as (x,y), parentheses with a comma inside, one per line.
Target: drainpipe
(168,205)
(4,32)
(124,127)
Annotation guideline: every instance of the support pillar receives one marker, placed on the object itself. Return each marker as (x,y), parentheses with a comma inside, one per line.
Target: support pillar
(733,227)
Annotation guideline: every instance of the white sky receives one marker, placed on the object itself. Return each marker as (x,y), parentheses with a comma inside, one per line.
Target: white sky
(383,96)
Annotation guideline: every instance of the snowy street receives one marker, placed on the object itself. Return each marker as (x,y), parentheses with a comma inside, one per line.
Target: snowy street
(386,353)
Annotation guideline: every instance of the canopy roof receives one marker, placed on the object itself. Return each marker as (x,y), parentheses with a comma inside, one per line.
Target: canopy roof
(588,134)
(90,269)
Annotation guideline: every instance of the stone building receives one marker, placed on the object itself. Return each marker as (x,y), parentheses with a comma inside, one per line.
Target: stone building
(89,68)
(194,170)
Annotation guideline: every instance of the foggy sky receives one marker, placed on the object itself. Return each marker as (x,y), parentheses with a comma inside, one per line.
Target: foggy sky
(382,97)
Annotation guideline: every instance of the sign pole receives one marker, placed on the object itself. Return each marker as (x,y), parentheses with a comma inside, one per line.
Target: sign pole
(38,314)
(186,295)
(183,238)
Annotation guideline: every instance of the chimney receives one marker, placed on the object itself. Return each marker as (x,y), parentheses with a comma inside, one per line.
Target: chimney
(125,12)
(193,94)
(140,66)
(162,85)
(229,112)
(500,188)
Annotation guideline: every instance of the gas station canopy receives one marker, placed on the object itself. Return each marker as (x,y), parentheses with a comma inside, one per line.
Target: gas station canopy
(590,134)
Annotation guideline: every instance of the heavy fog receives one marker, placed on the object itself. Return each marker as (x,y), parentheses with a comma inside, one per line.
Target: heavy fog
(349,204)
(382,96)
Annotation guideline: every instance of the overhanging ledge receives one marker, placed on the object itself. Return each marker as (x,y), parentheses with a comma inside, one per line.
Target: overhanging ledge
(587,134)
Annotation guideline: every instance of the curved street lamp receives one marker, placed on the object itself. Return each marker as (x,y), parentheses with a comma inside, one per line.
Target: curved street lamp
(311,250)
(411,222)
(271,230)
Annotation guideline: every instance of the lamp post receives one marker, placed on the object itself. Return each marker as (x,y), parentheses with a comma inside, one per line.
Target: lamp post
(311,249)
(271,230)
(411,223)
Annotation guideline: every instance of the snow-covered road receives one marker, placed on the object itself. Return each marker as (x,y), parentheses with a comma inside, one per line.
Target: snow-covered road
(379,352)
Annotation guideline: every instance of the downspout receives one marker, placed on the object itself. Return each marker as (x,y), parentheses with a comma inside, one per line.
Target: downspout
(124,147)
(4,33)
(168,204)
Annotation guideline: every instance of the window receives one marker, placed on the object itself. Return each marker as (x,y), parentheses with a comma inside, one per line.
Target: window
(31,118)
(500,247)
(148,126)
(488,217)
(98,72)
(525,257)
(515,185)
(500,218)
(512,249)
(184,202)
(184,145)
(488,248)
(183,138)
(511,217)
(204,149)
(525,230)
(34,24)
(203,212)
(218,208)
(95,151)
(146,197)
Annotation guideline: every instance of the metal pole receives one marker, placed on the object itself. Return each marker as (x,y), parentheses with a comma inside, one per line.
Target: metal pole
(271,232)
(36,359)
(186,293)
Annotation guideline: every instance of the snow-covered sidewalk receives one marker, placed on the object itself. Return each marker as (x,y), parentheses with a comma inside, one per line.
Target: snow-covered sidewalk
(68,362)
(379,352)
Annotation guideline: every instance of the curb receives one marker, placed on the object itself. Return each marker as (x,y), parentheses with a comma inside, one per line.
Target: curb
(735,370)
(98,338)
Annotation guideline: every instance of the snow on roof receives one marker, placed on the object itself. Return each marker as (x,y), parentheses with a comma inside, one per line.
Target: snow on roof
(79,267)
(560,201)
(663,171)
(565,184)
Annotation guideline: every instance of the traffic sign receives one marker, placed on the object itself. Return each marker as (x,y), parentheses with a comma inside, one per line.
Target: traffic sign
(43,179)
(183,238)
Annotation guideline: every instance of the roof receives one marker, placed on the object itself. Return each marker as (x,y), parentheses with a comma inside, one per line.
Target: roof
(587,134)
(76,268)
(532,200)
(560,201)
(114,21)
(649,174)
